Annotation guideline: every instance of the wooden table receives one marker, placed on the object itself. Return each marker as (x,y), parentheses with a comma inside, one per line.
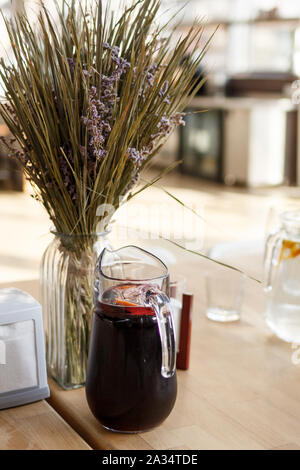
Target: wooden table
(241,391)
(37,427)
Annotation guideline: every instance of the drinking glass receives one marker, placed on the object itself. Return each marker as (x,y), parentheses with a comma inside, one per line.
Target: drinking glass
(224,296)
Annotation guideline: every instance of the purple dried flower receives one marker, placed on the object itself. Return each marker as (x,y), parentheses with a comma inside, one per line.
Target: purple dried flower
(101,154)
(164,89)
(133,155)
(151,74)
(122,64)
(164,126)
(99,114)
(99,117)
(177,119)
(66,161)
(136,157)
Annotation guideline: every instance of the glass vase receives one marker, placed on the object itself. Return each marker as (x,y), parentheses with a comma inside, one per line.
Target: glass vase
(67,281)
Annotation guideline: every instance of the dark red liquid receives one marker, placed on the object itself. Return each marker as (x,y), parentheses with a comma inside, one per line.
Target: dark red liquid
(124,388)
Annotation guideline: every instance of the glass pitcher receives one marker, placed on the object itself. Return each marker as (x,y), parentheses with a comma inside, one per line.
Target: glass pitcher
(131,379)
(282,278)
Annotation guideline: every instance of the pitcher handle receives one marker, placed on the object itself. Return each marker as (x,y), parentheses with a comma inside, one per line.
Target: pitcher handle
(162,308)
(269,261)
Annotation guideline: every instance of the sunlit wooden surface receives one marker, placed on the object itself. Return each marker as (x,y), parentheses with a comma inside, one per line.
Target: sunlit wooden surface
(241,392)
(242,389)
(37,427)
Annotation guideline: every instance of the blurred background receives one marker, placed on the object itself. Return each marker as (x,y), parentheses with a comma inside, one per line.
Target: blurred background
(240,159)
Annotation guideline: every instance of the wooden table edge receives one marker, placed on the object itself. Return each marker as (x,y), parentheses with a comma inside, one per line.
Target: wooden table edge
(58,405)
(59,416)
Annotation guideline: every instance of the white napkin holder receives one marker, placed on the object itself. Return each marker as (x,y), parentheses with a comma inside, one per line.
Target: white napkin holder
(23,376)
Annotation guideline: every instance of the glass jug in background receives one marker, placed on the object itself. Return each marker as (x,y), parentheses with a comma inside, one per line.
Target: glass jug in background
(282,278)
(131,380)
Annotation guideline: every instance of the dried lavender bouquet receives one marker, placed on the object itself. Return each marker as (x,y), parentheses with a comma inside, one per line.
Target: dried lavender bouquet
(89,101)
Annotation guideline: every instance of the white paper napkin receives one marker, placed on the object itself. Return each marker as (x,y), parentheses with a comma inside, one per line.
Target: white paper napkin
(18,366)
